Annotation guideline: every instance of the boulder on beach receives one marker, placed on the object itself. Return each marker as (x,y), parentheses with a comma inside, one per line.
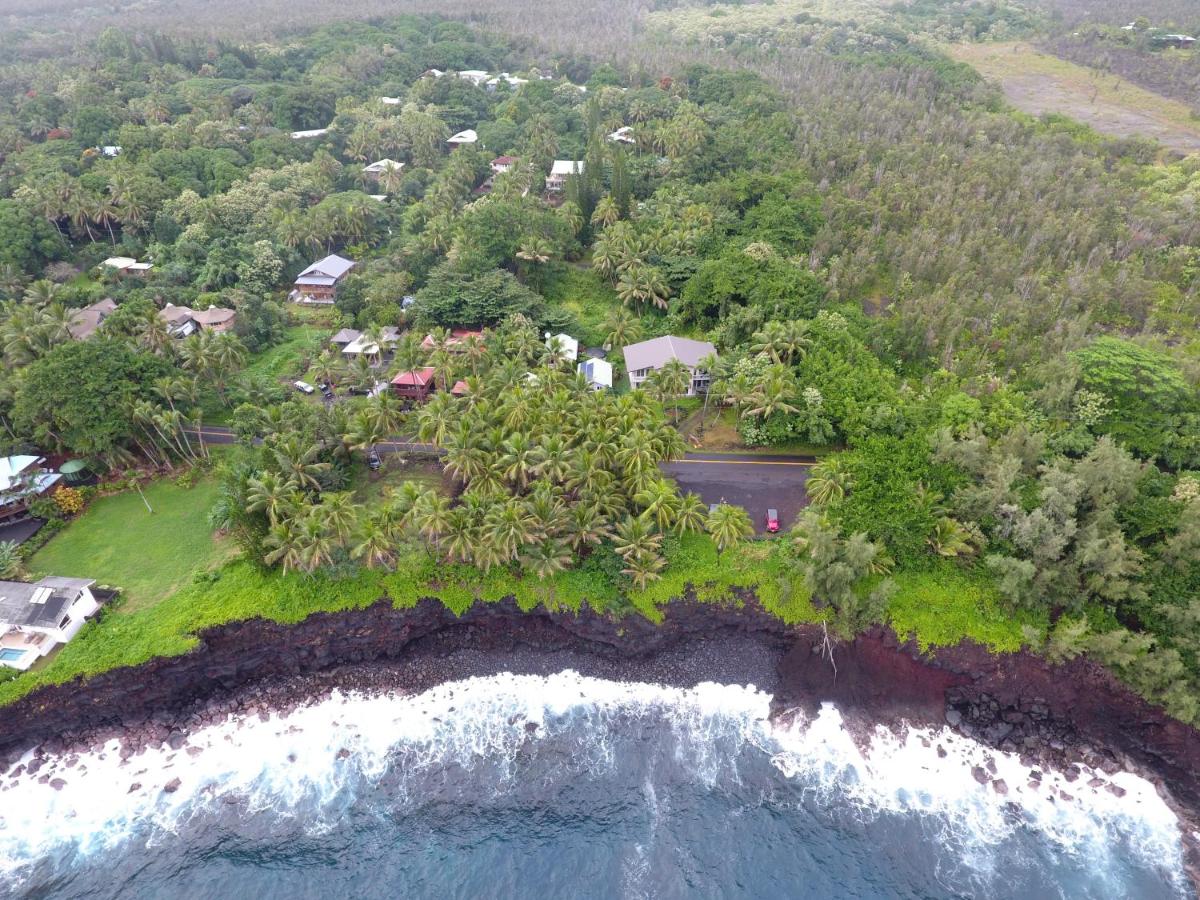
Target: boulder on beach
(172,786)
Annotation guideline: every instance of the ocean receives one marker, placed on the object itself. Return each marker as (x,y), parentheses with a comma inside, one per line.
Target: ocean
(569,786)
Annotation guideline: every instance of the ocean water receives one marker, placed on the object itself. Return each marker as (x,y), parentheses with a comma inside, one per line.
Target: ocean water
(566,786)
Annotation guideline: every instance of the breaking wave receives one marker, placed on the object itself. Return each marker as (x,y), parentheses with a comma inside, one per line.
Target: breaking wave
(548,786)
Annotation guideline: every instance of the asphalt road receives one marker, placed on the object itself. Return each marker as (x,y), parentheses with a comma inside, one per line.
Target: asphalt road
(756,483)
(753,481)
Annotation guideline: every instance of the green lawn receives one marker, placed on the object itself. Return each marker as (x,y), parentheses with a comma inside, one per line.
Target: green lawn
(118,542)
(290,358)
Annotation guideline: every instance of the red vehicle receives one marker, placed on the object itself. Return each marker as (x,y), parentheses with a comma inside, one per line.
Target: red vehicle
(772,521)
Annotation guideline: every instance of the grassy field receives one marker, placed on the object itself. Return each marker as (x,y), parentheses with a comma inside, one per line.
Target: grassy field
(290,358)
(721,436)
(118,542)
(1038,83)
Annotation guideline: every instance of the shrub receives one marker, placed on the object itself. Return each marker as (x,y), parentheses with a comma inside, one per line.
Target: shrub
(69,500)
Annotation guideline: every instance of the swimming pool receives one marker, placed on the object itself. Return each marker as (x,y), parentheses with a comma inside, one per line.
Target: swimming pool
(10,655)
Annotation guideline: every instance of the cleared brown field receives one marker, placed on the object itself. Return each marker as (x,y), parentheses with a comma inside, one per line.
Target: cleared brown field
(1038,83)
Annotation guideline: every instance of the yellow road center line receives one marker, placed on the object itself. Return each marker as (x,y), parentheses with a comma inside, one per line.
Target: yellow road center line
(740,462)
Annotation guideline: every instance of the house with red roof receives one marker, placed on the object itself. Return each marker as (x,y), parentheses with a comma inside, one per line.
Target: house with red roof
(416,385)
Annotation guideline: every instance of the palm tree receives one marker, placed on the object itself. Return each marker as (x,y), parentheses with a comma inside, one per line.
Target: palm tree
(729,525)
(547,558)
(273,494)
(42,292)
(315,543)
(672,381)
(622,327)
(660,501)
(739,390)
(643,285)
(435,418)
(691,516)
(430,515)
(11,562)
(951,538)
(284,545)
(375,545)
(509,528)
(299,462)
(828,481)
(605,256)
(153,336)
(773,392)
(606,212)
(643,568)
(553,459)
(783,342)
(338,515)
(519,460)
(587,526)
(634,537)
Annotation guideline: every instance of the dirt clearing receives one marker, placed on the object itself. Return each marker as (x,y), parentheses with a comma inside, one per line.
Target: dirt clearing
(1038,83)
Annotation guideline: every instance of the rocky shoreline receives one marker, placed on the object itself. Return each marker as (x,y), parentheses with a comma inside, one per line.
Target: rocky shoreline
(1075,718)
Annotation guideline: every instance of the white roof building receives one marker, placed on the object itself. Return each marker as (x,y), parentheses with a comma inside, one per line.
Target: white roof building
(623,135)
(467,136)
(475,76)
(21,479)
(510,80)
(560,170)
(383,165)
(598,372)
(390,101)
(310,133)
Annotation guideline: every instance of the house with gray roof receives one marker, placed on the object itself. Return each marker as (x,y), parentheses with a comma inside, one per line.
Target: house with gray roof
(319,282)
(84,322)
(645,358)
(36,618)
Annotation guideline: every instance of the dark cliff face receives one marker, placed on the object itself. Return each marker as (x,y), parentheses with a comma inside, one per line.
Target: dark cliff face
(1015,701)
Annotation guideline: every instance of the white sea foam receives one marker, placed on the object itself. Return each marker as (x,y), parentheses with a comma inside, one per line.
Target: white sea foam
(313,762)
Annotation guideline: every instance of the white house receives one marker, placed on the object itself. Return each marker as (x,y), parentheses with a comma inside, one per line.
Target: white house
(126,265)
(565,344)
(502,164)
(380,166)
(36,618)
(390,101)
(310,133)
(362,345)
(560,170)
(598,372)
(511,80)
(646,357)
(623,135)
(22,479)
(475,76)
(463,138)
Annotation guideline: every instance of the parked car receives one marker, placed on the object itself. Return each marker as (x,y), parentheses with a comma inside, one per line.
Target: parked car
(772,521)
(373,461)
(304,387)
